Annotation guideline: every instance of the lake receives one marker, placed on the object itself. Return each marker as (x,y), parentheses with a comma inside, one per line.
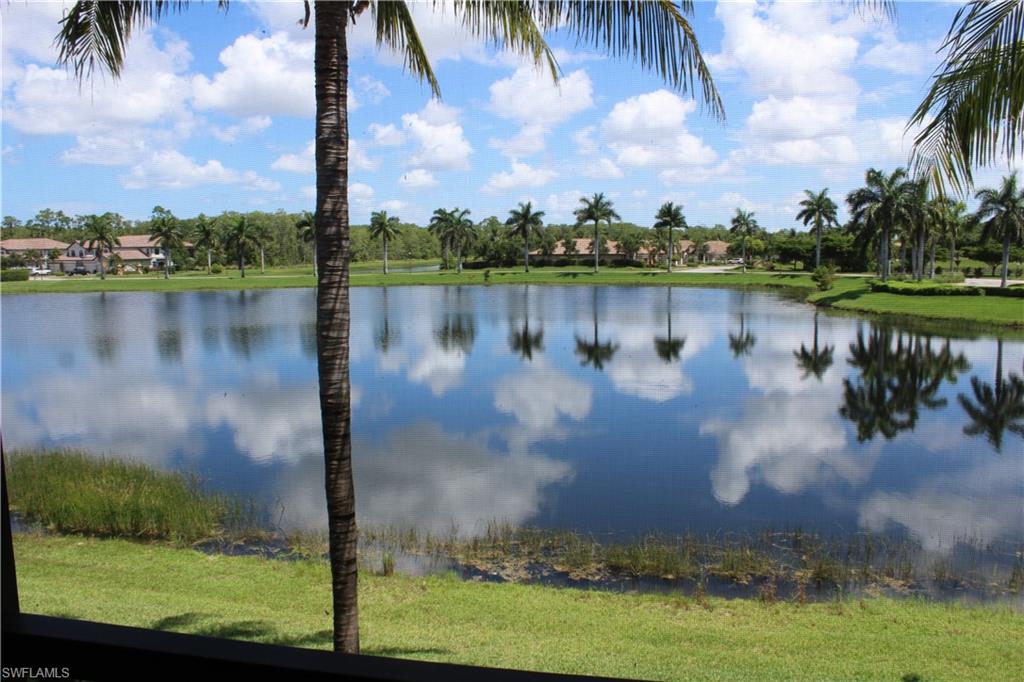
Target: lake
(611,411)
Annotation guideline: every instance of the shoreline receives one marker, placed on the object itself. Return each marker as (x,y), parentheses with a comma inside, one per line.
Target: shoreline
(849,295)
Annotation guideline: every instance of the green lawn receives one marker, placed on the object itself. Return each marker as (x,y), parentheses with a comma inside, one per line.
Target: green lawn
(519,626)
(849,293)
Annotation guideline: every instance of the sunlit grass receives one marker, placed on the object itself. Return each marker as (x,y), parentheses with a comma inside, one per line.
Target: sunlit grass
(669,637)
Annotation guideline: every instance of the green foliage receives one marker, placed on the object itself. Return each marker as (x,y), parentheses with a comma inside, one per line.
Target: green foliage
(924,289)
(19,275)
(216,268)
(824,276)
(73,492)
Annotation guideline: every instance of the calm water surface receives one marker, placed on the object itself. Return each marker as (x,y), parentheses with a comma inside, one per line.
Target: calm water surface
(616,411)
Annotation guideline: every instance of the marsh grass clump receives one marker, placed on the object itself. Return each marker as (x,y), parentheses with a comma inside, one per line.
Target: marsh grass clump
(73,492)
(653,556)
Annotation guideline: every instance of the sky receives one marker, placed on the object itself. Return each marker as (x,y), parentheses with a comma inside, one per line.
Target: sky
(214,112)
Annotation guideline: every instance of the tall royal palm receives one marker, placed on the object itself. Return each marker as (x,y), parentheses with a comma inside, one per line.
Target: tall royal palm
(242,237)
(1001,214)
(206,237)
(440,226)
(462,232)
(167,231)
(885,203)
(744,226)
(817,208)
(100,237)
(306,225)
(656,34)
(597,210)
(669,217)
(522,222)
(385,228)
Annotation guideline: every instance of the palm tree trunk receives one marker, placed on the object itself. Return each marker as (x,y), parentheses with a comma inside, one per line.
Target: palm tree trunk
(99,256)
(263,268)
(458,258)
(743,254)
(883,255)
(209,262)
(332,318)
(315,270)
(596,245)
(1006,259)
(167,263)
(241,262)
(670,252)
(817,244)
(385,255)
(931,274)
(952,254)
(445,240)
(526,254)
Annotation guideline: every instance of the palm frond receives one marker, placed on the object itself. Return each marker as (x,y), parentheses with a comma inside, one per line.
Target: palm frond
(396,30)
(96,32)
(510,24)
(657,34)
(972,115)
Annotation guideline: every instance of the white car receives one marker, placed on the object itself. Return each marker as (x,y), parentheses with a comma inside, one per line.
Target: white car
(41,271)
(736,261)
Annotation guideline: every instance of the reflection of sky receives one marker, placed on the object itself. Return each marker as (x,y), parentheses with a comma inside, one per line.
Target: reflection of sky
(454,426)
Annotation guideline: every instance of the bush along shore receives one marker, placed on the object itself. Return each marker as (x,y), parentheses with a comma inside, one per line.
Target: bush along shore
(69,492)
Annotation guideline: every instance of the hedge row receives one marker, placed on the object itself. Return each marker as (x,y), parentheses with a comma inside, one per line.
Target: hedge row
(928,289)
(19,275)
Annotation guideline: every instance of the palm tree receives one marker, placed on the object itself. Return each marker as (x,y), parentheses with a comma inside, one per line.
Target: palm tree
(596,209)
(306,225)
(594,352)
(820,210)
(166,230)
(744,225)
(261,236)
(656,34)
(462,232)
(522,222)
(885,203)
(100,236)
(669,217)
(206,237)
(971,116)
(1001,214)
(666,347)
(385,228)
(441,227)
(996,410)
(242,237)
(815,360)
(950,221)
(743,341)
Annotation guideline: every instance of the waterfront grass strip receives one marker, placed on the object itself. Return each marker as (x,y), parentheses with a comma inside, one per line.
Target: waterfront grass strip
(439,618)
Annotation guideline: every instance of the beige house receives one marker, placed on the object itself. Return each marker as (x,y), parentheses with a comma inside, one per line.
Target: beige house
(715,251)
(651,257)
(41,245)
(136,251)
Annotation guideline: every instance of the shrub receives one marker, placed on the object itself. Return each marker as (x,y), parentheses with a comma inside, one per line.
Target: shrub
(924,289)
(1012,292)
(14,275)
(978,272)
(949,278)
(824,277)
(216,268)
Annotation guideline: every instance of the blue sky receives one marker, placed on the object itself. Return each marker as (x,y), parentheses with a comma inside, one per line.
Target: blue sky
(214,112)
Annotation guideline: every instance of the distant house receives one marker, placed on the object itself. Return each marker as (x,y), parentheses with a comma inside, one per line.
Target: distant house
(41,245)
(714,251)
(136,250)
(651,257)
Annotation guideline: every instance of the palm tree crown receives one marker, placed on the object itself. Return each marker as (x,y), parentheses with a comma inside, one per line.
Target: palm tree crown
(1001,214)
(670,217)
(168,232)
(206,237)
(744,226)
(100,237)
(242,238)
(885,203)
(522,222)
(820,210)
(596,209)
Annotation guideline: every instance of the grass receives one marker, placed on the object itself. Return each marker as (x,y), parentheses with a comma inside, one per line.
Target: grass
(849,293)
(441,618)
(73,492)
